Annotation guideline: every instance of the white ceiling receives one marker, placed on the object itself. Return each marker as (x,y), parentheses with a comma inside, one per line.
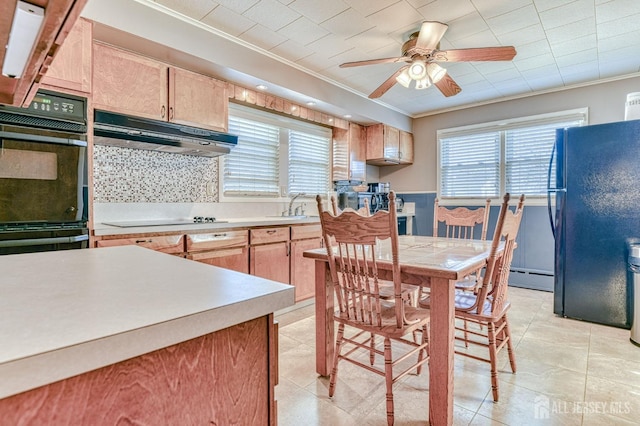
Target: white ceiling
(560,43)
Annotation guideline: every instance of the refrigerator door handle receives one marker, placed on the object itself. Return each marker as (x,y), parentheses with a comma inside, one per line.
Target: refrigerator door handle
(550,190)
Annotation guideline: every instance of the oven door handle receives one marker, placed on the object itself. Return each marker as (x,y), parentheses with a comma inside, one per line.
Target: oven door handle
(44,241)
(41,138)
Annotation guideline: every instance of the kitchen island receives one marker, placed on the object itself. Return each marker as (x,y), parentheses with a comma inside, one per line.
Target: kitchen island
(127,334)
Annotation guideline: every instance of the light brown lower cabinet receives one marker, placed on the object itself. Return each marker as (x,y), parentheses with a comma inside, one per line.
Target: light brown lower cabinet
(269,253)
(306,237)
(230,379)
(274,253)
(226,249)
(172,244)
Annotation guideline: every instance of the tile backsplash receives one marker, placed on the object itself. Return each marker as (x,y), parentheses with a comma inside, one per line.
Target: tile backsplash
(123,175)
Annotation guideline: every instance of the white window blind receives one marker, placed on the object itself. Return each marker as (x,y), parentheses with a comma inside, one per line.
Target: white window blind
(528,151)
(252,167)
(470,165)
(308,163)
(490,159)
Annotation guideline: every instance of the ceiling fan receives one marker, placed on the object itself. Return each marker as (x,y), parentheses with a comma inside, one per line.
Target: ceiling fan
(422,52)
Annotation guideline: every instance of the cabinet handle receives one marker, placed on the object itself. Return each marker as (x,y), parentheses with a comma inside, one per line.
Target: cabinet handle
(219,235)
(271,231)
(144,241)
(162,111)
(170,113)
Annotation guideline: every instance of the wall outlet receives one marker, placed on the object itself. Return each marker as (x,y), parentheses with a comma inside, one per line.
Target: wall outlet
(283,191)
(211,188)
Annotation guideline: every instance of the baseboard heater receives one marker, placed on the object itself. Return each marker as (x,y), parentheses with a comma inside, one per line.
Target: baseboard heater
(537,279)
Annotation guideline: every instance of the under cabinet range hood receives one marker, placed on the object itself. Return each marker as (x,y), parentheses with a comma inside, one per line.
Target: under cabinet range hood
(154,135)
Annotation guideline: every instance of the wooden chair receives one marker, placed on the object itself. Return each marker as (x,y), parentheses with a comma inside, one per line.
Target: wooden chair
(489,305)
(461,222)
(364,210)
(386,289)
(354,273)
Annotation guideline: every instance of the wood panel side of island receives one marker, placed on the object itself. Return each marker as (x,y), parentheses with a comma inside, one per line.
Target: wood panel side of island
(224,377)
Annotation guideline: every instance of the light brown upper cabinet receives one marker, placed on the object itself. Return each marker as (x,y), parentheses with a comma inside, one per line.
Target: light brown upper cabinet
(71,66)
(349,153)
(135,85)
(387,146)
(405,153)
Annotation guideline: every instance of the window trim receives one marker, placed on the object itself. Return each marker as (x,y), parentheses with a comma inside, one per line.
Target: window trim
(501,126)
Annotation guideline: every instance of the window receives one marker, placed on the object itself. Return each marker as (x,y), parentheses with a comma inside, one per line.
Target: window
(274,153)
(487,160)
(308,163)
(252,167)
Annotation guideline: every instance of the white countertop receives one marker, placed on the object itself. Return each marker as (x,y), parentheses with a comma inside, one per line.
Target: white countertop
(101,229)
(64,313)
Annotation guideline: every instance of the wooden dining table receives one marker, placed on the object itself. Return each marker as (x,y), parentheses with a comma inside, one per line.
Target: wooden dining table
(434,262)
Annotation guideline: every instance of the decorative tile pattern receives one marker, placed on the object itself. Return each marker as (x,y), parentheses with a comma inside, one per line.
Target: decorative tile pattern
(124,175)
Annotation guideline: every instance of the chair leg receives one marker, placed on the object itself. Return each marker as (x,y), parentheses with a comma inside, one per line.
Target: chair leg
(372,354)
(388,375)
(491,328)
(423,352)
(336,357)
(466,334)
(510,351)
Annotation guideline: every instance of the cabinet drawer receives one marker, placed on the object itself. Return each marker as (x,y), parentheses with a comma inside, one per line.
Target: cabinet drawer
(269,235)
(165,243)
(306,231)
(217,240)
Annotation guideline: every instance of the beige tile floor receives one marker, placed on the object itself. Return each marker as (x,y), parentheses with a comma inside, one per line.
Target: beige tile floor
(569,373)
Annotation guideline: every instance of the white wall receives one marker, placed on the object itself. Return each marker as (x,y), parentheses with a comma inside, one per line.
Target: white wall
(605,101)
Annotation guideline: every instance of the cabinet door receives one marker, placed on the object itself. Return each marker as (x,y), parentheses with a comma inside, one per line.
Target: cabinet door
(197,100)
(236,259)
(340,169)
(303,269)
(406,148)
(349,153)
(357,152)
(391,143)
(128,83)
(270,261)
(71,67)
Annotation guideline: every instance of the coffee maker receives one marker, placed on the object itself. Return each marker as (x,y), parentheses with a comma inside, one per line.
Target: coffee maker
(377,195)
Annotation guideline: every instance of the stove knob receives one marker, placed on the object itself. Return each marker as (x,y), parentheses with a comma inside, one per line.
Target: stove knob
(198,219)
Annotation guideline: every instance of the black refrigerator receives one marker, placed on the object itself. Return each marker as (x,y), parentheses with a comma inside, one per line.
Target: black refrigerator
(597,207)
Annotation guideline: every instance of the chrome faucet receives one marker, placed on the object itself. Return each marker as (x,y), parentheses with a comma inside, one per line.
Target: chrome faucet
(299,194)
(299,210)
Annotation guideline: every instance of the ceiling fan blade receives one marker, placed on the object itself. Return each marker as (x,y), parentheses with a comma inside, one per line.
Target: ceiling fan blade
(447,86)
(388,84)
(430,34)
(375,61)
(500,53)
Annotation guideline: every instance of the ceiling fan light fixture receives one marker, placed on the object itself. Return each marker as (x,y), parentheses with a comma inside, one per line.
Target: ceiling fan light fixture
(404,78)
(436,72)
(418,69)
(423,83)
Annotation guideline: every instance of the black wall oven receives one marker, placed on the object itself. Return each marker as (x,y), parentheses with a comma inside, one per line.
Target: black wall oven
(43,175)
